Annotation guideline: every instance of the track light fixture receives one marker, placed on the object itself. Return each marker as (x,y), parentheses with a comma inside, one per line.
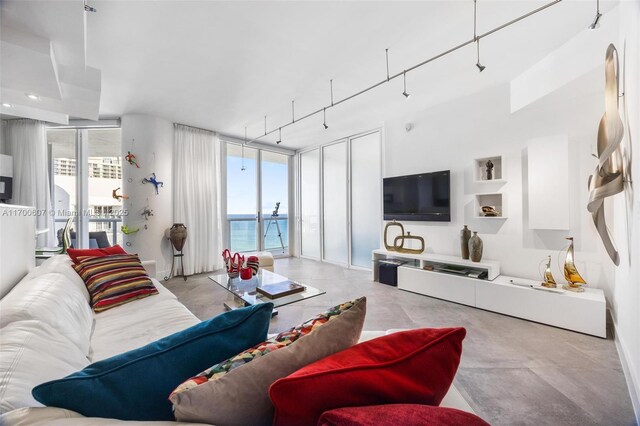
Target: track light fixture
(404,78)
(324,123)
(596,21)
(478,64)
(476,39)
(475,36)
(88,8)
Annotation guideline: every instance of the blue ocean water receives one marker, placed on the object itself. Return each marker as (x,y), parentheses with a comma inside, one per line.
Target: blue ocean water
(243,235)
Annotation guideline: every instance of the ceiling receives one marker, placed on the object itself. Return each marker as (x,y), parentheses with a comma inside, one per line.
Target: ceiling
(224,65)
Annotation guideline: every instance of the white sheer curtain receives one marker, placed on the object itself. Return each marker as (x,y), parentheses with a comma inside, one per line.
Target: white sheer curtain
(26,141)
(196,196)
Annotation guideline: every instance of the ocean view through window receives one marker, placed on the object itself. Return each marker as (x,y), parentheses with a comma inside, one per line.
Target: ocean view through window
(257,178)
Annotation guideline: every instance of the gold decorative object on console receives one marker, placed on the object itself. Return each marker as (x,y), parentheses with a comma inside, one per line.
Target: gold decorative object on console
(386,228)
(608,178)
(548,282)
(571,274)
(401,238)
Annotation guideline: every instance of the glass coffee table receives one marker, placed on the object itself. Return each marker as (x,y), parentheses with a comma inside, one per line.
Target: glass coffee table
(245,294)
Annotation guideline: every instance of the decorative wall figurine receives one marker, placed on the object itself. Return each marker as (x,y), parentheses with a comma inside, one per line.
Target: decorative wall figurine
(547,276)
(465,234)
(571,274)
(608,178)
(117,196)
(153,180)
(398,242)
(131,159)
(126,230)
(475,247)
(489,166)
(146,212)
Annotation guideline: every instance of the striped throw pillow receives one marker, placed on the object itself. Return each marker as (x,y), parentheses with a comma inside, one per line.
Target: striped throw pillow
(114,280)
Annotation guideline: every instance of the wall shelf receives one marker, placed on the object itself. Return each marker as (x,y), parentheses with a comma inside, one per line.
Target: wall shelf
(480,169)
(495,200)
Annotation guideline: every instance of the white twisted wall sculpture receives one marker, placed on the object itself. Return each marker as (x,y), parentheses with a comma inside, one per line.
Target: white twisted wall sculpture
(608,178)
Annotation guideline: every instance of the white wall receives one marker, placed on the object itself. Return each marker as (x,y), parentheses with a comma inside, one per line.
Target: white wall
(153,147)
(625,303)
(451,136)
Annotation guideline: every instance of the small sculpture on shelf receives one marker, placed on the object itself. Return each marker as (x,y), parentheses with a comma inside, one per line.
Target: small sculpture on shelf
(547,277)
(489,167)
(398,242)
(154,181)
(490,211)
(575,282)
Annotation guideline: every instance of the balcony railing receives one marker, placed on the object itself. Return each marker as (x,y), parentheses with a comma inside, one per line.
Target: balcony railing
(243,233)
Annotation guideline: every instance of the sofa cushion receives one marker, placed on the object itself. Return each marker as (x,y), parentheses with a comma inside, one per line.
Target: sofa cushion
(135,385)
(55,300)
(399,414)
(220,394)
(132,325)
(114,280)
(77,255)
(60,264)
(52,416)
(415,367)
(31,353)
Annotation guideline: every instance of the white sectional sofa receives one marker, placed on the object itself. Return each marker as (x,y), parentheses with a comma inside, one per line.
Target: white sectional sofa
(48,331)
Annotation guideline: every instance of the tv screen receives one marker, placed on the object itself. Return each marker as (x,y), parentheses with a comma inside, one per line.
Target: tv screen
(425,197)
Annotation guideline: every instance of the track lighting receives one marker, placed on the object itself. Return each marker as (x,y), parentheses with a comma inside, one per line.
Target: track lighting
(596,21)
(404,78)
(475,36)
(324,123)
(88,8)
(476,39)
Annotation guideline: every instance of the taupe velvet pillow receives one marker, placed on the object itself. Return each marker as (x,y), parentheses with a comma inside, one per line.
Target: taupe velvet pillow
(241,395)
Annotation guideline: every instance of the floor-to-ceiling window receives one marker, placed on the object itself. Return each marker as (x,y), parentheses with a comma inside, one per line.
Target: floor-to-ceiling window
(340,200)
(86,169)
(257,199)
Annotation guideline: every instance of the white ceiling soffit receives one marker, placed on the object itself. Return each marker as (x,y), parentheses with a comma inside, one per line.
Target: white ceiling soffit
(224,65)
(576,58)
(44,53)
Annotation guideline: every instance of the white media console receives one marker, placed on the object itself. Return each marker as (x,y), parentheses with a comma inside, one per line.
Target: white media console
(449,279)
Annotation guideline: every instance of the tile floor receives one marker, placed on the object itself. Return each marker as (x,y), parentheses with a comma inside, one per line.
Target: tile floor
(513,372)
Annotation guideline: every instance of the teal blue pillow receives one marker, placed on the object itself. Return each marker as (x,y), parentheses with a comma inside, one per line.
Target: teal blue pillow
(136,385)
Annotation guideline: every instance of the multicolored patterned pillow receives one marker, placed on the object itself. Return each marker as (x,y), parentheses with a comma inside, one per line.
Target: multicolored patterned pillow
(114,280)
(282,340)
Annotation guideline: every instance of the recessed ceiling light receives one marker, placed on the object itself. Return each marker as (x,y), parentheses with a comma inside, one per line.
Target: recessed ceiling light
(6,105)
(32,96)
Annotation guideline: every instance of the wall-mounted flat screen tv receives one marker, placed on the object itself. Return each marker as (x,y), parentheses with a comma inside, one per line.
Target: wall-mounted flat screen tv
(424,197)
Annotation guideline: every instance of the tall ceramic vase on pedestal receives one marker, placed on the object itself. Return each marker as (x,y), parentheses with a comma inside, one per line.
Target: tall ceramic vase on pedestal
(178,235)
(465,235)
(475,248)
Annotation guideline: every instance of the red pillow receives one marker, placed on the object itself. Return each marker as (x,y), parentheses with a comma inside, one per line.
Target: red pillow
(399,414)
(75,254)
(415,366)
